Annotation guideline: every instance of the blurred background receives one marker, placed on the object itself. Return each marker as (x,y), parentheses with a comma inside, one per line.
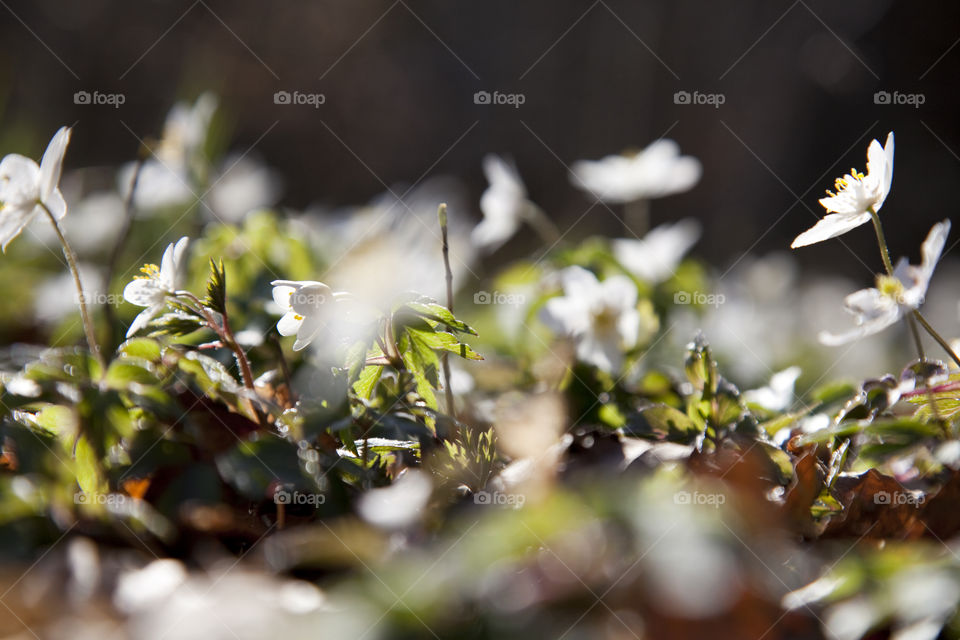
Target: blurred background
(797,81)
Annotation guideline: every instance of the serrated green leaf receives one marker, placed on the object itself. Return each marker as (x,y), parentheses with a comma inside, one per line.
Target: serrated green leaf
(217,288)
(439,313)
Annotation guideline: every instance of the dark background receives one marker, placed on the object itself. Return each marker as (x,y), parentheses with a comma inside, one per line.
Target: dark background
(798,79)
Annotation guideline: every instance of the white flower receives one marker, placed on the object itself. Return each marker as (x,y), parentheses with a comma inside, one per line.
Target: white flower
(504,204)
(655,257)
(601,317)
(151,289)
(24,186)
(168,178)
(778,395)
(657,171)
(856,196)
(879,307)
(303,303)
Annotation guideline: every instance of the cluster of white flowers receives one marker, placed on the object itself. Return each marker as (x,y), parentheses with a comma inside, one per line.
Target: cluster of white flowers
(902,289)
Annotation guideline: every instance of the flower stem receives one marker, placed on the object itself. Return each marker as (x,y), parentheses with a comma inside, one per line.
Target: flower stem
(88,327)
(543,225)
(885,254)
(445,358)
(936,336)
(881,240)
(223,330)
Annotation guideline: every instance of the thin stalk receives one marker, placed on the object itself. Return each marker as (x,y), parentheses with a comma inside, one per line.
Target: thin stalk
(936,336)
(881,240)
(637,216)
(121,243)
(888,265)
(543,225)
(226,335)
(926,380)
(445,358)
(88,327)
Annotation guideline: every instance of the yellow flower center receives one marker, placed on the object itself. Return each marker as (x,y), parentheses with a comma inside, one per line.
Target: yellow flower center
(149,271)
(889,286)
(297,317)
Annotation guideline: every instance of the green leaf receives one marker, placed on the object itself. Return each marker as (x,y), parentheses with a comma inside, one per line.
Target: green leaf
(176,323)
(445,342)
(217,288)
(663,422)
(439,313)
(88,469)
(124,371)
(143,348)
(367,381)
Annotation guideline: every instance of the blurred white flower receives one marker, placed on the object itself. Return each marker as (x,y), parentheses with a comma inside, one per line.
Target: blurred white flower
(150,290)
(56,298)
(243,185)
(167,178)
(601,317)
(26,187)
(391,247)
(399,505)
(657,171)
(655,257)
(879,307)
(304,303)
(778,394)
(856,196)
(504,204)
(92,225)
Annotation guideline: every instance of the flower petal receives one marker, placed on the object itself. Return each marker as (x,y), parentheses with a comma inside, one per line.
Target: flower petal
(52,163)
(880,166)
(309,329)
(309,299)
(281,294)
(143,292)
(830,226)
(13,219)
(289,324)
(143,319)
